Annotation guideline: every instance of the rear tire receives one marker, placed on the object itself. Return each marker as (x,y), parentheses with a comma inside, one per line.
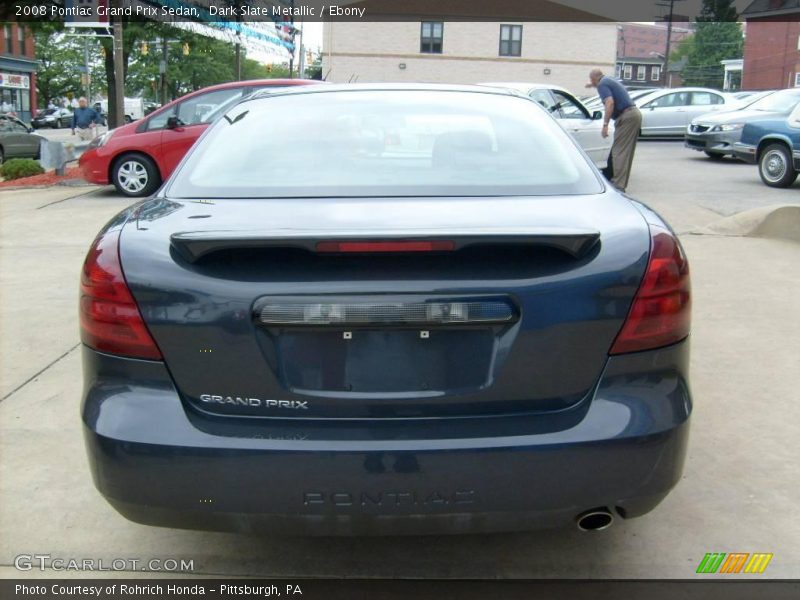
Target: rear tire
(715,156)
(128,119)
(135,175)
(775,166)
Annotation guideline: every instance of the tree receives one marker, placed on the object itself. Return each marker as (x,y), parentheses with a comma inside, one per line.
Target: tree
(59,59)
(314,67)
(718,36)
(208,61)
(133,34)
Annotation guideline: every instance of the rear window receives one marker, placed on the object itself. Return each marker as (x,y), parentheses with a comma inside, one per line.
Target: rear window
(385,143)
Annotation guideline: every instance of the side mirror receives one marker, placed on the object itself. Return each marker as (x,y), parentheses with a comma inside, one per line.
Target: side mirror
(173,122)
(31,130)
(597,115)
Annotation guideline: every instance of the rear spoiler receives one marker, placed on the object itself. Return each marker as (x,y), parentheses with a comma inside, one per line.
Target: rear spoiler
(193,245)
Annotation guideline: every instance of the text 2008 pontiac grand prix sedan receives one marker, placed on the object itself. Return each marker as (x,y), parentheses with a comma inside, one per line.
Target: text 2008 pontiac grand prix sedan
(385,309)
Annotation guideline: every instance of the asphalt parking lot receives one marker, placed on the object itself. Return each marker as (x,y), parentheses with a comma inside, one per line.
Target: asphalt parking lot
(738,494)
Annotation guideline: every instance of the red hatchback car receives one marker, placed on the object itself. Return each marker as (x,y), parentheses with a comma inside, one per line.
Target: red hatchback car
(138,156)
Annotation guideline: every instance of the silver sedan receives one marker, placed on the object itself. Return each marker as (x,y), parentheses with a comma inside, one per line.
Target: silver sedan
(669,112)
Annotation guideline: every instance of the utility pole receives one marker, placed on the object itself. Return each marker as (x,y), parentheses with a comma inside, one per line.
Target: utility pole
(237,66)
(671,5)
(162,70)
(119,70)
(291,33)
(238,61)
(88,72)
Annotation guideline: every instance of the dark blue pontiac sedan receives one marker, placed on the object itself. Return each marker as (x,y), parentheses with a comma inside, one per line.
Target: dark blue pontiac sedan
(385,309)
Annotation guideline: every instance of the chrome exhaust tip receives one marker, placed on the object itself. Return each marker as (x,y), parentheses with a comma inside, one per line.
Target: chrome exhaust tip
(596,519)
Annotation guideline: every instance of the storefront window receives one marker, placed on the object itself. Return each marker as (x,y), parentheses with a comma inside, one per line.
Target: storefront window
(12,100)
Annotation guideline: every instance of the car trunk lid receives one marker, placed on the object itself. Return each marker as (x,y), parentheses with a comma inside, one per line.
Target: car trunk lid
(382,307)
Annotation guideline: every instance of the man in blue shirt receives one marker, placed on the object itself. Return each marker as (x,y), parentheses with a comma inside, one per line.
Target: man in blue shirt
(84,119)
(627,125)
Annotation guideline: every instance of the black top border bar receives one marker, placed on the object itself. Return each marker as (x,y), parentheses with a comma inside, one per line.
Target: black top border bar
(232,11)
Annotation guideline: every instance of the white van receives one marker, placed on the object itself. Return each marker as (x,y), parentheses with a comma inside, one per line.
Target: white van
(134,108)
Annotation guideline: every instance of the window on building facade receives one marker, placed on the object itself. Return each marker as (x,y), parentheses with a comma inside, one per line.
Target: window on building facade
(655,73)
(641,72)
(9,40)
(431,37)
(619,71)
(510,40)
(21,39)
(628,72)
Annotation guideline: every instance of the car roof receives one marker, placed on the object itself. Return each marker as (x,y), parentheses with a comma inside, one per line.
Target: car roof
(11,117)
(382,87)
(282,83)
(662,91)
(245,83)
(523,85)
(253,82)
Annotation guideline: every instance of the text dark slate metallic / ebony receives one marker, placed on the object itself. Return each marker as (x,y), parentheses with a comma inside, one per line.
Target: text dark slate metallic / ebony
(428,313)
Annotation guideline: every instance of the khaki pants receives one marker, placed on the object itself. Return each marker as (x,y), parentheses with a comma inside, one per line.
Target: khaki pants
(626,133)
(86,134)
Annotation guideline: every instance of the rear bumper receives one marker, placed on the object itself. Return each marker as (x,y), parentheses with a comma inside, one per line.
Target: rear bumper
(159,462)
(721,142)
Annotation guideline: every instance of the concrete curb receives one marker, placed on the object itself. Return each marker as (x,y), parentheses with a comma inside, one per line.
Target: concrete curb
(776,222)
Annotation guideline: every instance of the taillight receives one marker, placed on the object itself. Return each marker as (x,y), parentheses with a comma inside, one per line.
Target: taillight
(661,311)
(110,319)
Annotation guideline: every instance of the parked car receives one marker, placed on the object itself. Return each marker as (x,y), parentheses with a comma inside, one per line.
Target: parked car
(137,157)
(17,140)
(668,112)
(465,330)
(751,96)
(150,106)
(773,144)
(716,133)
(585,126)
(595,103)
(56,118)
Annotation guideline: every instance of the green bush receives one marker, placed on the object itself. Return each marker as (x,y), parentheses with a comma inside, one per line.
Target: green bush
(15,168)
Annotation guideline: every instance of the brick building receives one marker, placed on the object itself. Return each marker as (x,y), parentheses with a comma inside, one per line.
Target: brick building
(640,54)
(17,71)
(772,45)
